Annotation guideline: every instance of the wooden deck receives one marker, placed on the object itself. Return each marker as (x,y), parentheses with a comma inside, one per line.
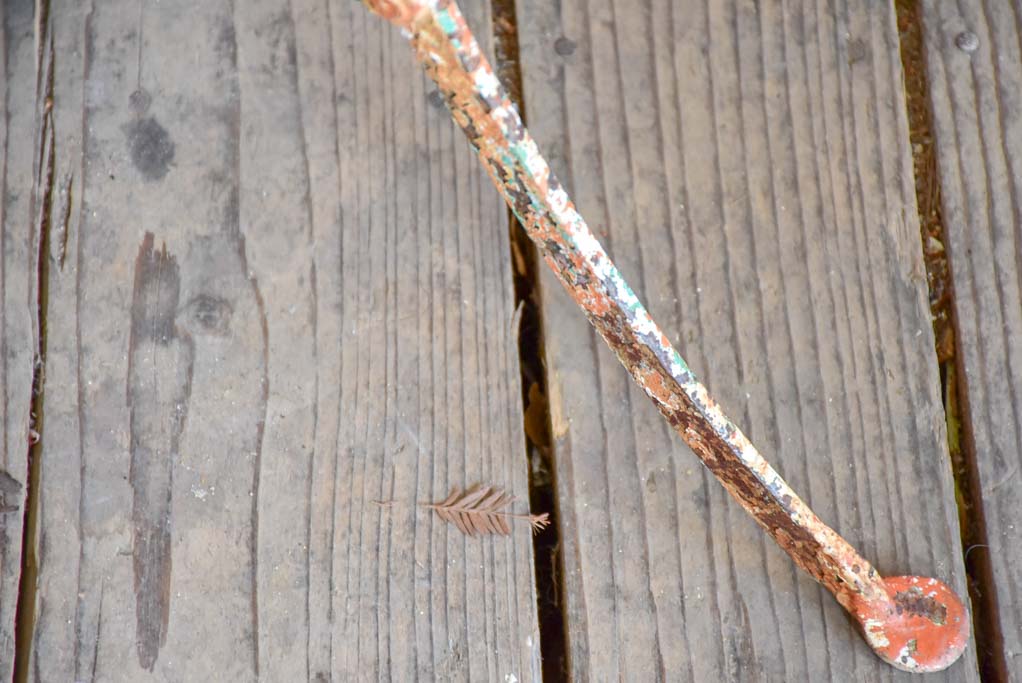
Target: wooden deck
(975,73)
(276,305)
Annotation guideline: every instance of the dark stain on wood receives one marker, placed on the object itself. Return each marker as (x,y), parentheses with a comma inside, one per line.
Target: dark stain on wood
(10,490)
(210,313)
(139,101)
(151,147)
(159,387)
(10,494)
(565,46)
(8,485)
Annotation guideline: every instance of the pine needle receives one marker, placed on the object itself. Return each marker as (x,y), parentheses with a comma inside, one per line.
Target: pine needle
(482,510)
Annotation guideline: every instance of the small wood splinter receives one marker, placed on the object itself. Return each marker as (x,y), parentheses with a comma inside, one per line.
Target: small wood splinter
(914,623)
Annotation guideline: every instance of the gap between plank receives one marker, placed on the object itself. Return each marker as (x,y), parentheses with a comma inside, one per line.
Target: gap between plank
(549,565)
(961,444)
(40,214)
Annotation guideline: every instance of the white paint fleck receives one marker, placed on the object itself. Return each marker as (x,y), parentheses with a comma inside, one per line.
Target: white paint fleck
(905,655)
(875,634)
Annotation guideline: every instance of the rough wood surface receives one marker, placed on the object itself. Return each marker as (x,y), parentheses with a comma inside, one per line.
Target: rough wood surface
(974,64)
(18,296)
(747,166)
(286,294)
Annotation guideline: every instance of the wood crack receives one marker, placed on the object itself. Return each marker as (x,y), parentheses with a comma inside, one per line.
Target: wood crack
(41,213)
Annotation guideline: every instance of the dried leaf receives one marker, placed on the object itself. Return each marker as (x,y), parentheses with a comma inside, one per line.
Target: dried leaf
(482,510)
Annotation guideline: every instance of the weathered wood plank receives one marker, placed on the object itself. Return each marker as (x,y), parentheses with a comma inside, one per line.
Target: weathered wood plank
(18,297)
(286,295)
(748,168)
(974,64)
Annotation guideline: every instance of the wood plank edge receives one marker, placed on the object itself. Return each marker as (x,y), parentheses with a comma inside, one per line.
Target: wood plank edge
(961,442)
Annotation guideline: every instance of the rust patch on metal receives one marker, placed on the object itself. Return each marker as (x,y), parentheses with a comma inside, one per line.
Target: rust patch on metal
(479,104)
(913,602)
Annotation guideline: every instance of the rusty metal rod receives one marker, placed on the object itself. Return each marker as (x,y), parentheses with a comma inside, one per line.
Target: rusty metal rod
(914,623)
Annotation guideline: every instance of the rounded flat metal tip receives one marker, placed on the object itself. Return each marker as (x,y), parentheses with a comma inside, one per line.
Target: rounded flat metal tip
(923,627)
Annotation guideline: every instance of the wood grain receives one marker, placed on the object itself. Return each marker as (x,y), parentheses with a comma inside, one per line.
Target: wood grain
(286,294)
(977,123)
(19,297)
(747,167)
